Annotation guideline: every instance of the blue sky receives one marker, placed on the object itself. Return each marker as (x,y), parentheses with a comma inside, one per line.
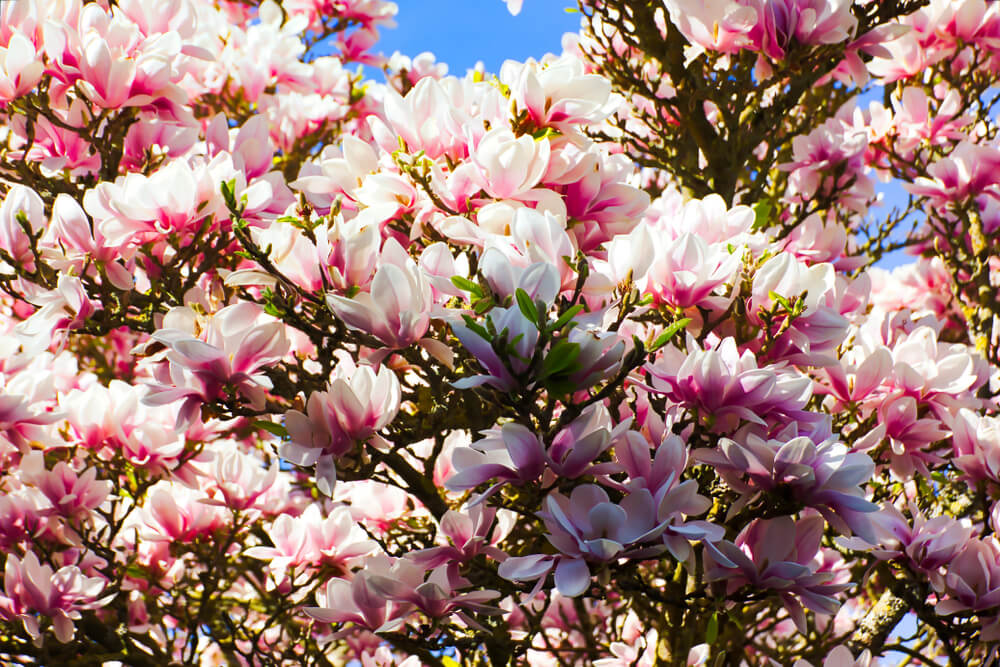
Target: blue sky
(462,32)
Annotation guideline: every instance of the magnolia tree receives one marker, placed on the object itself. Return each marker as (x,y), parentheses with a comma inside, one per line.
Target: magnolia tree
(582,362)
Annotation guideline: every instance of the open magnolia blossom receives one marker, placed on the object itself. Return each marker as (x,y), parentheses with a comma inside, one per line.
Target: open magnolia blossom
(599,359)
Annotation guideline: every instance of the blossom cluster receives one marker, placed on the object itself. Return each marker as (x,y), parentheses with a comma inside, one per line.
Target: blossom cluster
(571,363)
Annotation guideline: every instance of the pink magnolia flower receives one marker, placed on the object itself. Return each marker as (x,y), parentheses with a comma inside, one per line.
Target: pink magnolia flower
(947,375)
(240,478)
(601,204)
(62,309)
(509,166)
(397,309)
(250,145)
(923,287)
(426,120)
(115,67)
(54,146)
(504,371)
(32,588)
(710,219)
(20,204)
(969,170)
(21,67)
(238,342)
(357,404)
(910,434)
(901,58)
(338,172)
(718,25)
(409,71)
(726,387)
(687,273)
(177,198)
(70,494)
(511,453)
(113,420)
(639,653)
(542,238)
(358,600)
(917,120)
(335,541)
(808,22)
(600,355)
(815,333)
(859,374)
(70,243)
(379,507)
(176,513)
(928,544)
(22,517)
(829,161)
(558,93)
(155,138)
(575,447)
(22,419)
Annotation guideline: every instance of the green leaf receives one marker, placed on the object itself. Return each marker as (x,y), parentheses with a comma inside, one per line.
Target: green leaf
(271,427)
(476,327)
(561,359)
(761,215)
(22,219)
(229,193)
(780,300)
(481,306)
(526,305)
(712,631)
(565,318)
(467,285)
(669,333)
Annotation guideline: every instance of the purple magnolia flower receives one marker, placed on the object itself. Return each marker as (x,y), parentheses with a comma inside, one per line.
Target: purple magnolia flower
(358,601)
(825,476)
(436,594)
(973,583)
(575,448)
(928,544)
(474,530)
(725,386)
(778,555)
(600,355)
(587,528)
(512,453)
(659,472)
(520,332)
